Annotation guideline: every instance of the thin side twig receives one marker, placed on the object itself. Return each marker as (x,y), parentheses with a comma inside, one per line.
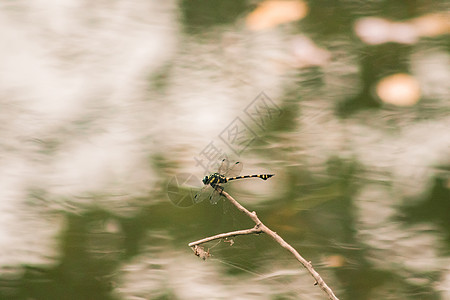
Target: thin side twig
(255,229)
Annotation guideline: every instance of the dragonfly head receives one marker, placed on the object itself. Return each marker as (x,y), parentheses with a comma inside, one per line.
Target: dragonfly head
(205,180)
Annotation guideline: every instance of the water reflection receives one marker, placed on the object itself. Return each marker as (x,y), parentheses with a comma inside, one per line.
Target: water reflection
(102,105)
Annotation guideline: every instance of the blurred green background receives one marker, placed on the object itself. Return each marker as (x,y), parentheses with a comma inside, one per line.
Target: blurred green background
(112,111)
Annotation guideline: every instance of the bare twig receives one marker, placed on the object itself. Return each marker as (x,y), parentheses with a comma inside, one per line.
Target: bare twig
(255,229)
(260,227)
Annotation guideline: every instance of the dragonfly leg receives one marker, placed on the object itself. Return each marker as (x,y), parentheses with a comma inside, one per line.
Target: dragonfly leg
(219,189)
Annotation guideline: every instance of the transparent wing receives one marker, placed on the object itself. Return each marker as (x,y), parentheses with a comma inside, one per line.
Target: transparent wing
(229,169)
(234,170)
(224,166)
(214,197)
(204,194)
(208,192)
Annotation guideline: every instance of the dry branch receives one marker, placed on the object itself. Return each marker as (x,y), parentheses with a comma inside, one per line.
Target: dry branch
(255,229)
(260,227)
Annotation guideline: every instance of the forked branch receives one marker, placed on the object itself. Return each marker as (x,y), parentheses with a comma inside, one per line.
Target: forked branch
(260,227)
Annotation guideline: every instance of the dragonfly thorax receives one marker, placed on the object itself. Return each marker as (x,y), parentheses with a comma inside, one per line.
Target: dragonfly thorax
(214,179)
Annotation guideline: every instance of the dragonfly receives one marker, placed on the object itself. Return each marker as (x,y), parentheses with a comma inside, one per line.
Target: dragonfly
(214,182)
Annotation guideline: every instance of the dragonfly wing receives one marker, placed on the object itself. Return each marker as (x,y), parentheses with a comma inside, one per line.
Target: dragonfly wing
(224,166)
(203,194)
(215,197)
(226,169)
(234,169)
(229,168)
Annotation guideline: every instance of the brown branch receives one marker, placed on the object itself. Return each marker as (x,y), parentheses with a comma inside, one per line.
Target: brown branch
(260,227)
(255,229)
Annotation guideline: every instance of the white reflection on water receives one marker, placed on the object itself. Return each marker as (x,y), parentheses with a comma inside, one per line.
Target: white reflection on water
(23,236)
(391,146)
(412,249)
(78,120)
(71,82)
(185,276)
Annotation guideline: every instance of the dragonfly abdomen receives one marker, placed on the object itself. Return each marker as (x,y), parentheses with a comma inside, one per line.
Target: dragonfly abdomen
(262,176)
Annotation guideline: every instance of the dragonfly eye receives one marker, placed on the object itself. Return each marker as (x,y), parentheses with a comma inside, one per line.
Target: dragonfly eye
(205,180)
